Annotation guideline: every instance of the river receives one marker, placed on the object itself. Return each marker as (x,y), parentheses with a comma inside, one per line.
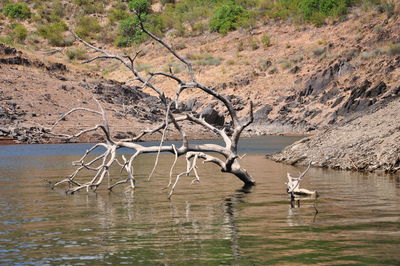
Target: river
(356,219)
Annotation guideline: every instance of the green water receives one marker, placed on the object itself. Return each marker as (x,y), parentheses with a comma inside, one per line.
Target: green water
(214,222)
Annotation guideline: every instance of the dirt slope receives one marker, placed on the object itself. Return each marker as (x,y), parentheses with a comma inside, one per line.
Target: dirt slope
(308,79)
(303,81)
(35,91)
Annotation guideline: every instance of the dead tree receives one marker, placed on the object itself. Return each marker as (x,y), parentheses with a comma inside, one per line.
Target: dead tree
(101,164)
(293,185)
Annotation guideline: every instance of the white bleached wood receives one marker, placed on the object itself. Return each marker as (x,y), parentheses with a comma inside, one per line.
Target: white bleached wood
(228,161)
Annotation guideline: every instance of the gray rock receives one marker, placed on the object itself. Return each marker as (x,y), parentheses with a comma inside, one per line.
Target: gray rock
(377,90)
(212,116)
(262,113)
(190,105)
(17,60)
(7,50)
(321,80)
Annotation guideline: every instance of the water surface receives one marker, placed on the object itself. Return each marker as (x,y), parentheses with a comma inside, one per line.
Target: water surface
(210,223)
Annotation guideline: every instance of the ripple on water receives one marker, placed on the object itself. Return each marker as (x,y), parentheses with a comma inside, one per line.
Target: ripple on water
(211,222)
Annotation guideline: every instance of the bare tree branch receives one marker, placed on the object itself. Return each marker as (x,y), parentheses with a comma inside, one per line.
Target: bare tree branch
(101,164)
(293,184)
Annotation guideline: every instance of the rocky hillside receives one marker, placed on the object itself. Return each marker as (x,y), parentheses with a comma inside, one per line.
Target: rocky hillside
(367,142)
(307,79)
(302,79)
(36,90)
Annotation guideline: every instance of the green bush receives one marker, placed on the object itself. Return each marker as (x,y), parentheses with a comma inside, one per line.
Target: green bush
(141,6)
(227,18)
(20,32)
(53,32)
(17,10)
(143,67)
(51,13)
(76,53)
(316,10)
(90,6)
(199,28)
(7,40)
(129,32)
(266,40)
(88,27)
(204,59)
(167,2)
(394,49)
(388,8)
(116,14)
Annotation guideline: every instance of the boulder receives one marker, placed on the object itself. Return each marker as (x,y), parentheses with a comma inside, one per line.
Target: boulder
(321,80)
(212,116)
(377,90)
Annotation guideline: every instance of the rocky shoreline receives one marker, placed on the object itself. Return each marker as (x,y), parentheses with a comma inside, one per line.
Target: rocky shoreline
(339,84)
(368,142)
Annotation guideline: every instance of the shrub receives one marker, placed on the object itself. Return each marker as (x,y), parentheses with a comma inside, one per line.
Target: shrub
(88,27)
(388,8)
(254,44)
(143,67)
(58,9)
(316,10)
(116,14)
(17,10)
(210,61)
(367,55)
(20,32)
(90,6)
(179,46)
(154,24)
(266,40)
(76,53)
(174,67)
(199,28)
(167,2)
(227,18)
(141,6)
(394,49)
(285,64)
(7,40)
(54,33)
(204,59)
(129,32)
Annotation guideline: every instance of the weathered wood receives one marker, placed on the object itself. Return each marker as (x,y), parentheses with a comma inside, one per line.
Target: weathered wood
(193,153)
(293,185)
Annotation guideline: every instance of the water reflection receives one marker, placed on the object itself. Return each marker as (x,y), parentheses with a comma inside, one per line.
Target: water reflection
(215,222)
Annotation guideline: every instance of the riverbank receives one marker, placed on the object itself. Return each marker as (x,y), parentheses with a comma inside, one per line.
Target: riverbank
(368,142)
(309,80)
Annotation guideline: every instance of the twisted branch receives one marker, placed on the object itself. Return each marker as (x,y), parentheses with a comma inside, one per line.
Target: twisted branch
(230,162)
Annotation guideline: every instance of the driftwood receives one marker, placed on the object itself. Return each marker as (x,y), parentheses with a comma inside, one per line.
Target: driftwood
(293,185)
(227,161)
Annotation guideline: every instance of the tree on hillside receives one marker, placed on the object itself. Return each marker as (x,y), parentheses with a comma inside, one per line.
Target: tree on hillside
(228,160)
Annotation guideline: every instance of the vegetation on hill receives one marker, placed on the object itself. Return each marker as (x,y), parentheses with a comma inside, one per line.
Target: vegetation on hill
(113,22)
